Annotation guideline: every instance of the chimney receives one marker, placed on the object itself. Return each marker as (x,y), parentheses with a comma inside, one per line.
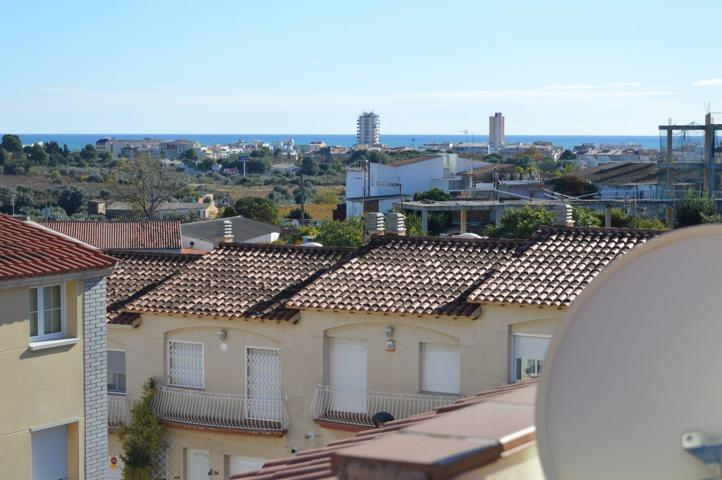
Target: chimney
(397,224)
(375,224)
(227,231)
(563,215)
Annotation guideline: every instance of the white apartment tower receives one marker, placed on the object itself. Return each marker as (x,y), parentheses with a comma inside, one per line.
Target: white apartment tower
(496,131)
(368,129)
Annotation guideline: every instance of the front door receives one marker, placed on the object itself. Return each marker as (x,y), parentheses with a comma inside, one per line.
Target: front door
(528,353)
(197,464)
(263,384)
(348,375)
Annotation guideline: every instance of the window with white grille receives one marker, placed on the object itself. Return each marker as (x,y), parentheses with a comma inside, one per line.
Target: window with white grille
(185,364)
(263,383)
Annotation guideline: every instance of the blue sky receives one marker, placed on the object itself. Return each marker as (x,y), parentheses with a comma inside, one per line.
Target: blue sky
(276,66)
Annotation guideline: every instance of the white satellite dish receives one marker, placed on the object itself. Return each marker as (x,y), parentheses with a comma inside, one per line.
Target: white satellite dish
(632,387)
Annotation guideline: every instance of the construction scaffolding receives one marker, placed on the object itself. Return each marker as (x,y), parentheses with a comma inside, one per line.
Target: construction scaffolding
(690,159)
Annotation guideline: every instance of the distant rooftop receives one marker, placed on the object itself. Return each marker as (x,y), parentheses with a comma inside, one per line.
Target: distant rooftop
(147,235)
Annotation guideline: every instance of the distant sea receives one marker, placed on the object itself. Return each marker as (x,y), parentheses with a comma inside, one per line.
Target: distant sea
(77,141)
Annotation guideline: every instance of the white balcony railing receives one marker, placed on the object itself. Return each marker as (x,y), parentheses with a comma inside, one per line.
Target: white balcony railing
(118,411)
(220,410)
(357,407)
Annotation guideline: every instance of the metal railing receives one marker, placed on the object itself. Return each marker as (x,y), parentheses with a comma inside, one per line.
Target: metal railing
(357,407)
(118,411)
(220,410)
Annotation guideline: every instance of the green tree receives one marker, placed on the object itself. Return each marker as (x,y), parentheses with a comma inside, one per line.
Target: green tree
(142,440)
(309,166)
(434,194)
(326,196)
(88,152)
(11,143)
(295,214)
(521,222)
(257,165)
(73,199)
(695,209)
(4,156)
(255,208)
(37,154)
(574,186)
(584,217)
(189,154)
(348,233)
(568,155)
(147,183)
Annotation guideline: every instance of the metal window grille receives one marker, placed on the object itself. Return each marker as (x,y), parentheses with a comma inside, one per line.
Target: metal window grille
(263,383)
(185,364)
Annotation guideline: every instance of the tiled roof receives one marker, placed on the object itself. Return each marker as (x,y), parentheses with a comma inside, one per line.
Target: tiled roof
(556,264)
(408,275)
(29,250)
(509,427)
(152,235)
(242,228)
(137,273)
(620,174)
(241,281)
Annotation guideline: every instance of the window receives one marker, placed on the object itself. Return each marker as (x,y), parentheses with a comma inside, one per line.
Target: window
(185,364)
(440,368)
(528,353)
(116,371)
(263,383)
(47,319)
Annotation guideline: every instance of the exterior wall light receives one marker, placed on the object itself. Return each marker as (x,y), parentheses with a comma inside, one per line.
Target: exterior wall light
(390,345)
(389,331)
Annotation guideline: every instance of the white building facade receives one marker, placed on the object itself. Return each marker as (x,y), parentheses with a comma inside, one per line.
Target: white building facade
(496,131)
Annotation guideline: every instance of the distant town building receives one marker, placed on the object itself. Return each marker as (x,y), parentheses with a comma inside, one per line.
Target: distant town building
(496,131)
(376,187)
(368,129)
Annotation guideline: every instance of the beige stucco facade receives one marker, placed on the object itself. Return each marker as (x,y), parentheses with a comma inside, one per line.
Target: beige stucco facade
(484,364)
(41,388)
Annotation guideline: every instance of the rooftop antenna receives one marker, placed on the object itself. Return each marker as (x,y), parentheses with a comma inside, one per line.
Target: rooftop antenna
(466,135)
(605,408)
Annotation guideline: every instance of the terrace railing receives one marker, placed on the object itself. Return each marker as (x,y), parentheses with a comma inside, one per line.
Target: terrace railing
(357,407)
(118,411)
(220,410)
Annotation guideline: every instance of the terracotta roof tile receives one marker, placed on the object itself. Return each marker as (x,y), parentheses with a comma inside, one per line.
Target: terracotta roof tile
(241,281)
(318,461)
(151,235)
(137,273)
(555,265)
(29,250)
(408,275)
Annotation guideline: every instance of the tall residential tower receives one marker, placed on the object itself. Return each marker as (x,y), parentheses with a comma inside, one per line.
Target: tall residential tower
(368,129)
(496,131)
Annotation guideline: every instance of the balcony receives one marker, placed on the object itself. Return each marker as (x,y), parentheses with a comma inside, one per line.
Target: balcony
(357,407)
(118,411)
(221,411)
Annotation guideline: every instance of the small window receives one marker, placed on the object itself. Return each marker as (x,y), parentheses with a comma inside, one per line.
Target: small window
(440,368)
(116,371)
(46,314)
(185,364)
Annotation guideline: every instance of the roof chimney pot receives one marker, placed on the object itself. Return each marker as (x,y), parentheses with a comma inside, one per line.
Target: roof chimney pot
(397,224)
(375,224)
(563,215)
(228,231)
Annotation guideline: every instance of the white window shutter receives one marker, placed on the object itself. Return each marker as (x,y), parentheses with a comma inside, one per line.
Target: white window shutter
(440,368)
(50,453)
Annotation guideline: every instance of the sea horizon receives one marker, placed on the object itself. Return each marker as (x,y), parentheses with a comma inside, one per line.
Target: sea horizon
(75,141)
